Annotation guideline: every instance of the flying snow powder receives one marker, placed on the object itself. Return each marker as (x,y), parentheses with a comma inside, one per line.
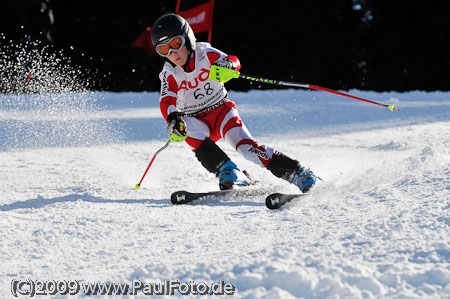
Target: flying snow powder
(45,101)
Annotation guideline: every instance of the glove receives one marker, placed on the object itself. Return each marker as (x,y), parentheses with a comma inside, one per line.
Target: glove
(176,127)
(226,63)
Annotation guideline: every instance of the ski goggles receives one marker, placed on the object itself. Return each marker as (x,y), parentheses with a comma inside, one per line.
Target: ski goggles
(172,45)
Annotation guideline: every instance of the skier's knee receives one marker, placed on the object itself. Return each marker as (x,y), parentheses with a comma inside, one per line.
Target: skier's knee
(211,156)
(282,166)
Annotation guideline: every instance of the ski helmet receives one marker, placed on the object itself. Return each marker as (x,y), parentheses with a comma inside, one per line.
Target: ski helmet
(169,26)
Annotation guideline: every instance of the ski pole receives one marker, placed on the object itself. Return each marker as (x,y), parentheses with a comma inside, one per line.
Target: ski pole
(222,74)
(138,186)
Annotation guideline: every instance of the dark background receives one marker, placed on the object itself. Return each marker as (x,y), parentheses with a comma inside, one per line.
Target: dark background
(366,44)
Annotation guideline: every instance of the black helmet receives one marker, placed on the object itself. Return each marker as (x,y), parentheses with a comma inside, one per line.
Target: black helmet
(171,25)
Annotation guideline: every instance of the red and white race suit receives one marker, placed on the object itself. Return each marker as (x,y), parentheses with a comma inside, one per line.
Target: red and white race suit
(208,111)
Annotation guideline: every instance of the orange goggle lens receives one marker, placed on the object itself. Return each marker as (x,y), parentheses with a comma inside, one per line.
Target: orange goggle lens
(175,44)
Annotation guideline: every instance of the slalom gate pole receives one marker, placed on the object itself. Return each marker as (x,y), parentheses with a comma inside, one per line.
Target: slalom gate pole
(222,74)
(138,186)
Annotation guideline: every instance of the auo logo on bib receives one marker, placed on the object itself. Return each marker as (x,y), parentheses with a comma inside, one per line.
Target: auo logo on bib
(203,76)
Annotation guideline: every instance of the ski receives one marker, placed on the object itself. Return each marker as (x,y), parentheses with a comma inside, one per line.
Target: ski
(184,197)
(273,201)
(276,200)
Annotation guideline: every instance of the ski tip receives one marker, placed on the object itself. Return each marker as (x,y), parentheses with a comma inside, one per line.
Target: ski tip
(273,201)
(277,200)
(137,187)
(179,197)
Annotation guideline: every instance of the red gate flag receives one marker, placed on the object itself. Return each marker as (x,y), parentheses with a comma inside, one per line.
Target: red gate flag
(200,17)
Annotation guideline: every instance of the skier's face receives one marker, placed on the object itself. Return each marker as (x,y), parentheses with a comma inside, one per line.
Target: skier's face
(179,57)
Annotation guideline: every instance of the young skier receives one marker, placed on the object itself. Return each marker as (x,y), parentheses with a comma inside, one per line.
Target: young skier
(199,112)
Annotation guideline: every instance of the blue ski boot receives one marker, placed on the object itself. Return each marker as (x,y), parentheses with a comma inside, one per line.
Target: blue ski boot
(230,175)
(304,179)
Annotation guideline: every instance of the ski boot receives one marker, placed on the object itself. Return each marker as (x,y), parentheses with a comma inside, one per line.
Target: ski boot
(230,175)
(304,179)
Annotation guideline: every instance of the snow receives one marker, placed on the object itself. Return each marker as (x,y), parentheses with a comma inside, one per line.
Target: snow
(377,227)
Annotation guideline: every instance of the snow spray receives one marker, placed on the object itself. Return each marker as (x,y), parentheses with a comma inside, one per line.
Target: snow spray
(45,101)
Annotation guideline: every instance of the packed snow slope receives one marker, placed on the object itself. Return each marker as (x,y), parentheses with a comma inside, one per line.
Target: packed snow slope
(377,227)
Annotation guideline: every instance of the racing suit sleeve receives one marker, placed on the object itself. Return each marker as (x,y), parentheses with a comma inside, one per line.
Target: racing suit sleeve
(168,97)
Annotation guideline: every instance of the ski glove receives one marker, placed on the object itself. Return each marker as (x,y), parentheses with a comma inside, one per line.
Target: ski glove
(176,127)
(226,63)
